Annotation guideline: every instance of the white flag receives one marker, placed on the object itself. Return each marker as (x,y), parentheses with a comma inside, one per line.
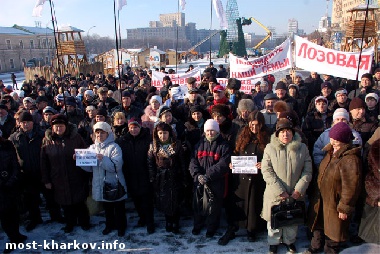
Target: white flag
(120,4)
(182,3)
(218,6)
(37,10)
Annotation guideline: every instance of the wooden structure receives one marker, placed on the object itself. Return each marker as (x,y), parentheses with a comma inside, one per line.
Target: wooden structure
(354,29)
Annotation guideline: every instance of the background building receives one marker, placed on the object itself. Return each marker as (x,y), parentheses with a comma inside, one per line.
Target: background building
(20,45)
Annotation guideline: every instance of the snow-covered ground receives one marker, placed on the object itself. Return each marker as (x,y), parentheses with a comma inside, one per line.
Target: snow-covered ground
(136,240)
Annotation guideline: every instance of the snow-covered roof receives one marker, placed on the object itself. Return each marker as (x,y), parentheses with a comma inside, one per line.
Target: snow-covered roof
(158,51)
(363,7)
(69,29)
(13,31)
(38,30)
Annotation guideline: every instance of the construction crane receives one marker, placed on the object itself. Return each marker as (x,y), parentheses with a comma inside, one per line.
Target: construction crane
(192,49)
(248,21)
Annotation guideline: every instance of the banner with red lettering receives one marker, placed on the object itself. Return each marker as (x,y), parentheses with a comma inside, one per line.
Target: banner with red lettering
(246,84)
(278,59)
(312,57)
(178,78)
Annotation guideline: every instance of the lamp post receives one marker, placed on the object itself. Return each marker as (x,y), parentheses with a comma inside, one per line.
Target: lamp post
(88,42)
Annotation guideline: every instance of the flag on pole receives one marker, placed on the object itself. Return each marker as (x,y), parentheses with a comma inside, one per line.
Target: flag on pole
(182,3)
(37,10)
(218,6)
(120,4)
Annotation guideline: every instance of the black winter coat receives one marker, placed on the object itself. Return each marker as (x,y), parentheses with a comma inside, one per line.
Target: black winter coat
(135,157)
(70,183)
(9,171)
(167,172)
(28,152)
(8,126)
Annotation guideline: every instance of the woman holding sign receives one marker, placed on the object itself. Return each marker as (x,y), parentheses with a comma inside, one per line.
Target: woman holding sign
(108,170)
(249,187)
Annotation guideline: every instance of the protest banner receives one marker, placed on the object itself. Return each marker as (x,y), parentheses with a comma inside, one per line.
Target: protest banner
(312,57)
(278,59)
(178,78)
(85,157)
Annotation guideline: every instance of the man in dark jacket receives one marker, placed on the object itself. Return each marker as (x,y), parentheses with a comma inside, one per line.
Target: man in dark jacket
(27,141)
(7,122)
(135,146)
(208,167)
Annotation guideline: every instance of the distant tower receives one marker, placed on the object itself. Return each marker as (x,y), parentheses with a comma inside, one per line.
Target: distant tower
(232,12)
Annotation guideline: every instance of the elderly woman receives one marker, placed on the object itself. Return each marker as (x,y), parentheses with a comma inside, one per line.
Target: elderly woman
(208,166)
(339,185)
(287,171)
(109,169)
(59,172)
(248,189)
(167,170)
(149,117)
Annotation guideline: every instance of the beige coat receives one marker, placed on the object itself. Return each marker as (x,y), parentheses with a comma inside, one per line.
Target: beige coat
(285,168)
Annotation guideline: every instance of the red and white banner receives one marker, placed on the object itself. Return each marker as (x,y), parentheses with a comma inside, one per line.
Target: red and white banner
(246,84)
(278,59)
(179,78)
(312,57)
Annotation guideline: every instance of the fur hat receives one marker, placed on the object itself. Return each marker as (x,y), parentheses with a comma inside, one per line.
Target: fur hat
(341,132)
(283,123)
(291,116)
(25,116)
(221,109)
(59,119)
(102,126)
(281,85)
(196,108)
(280,106)
(102,112)
(356,103)
(341,112)
(245,104)
(233,83)
(161,110)
(211,124)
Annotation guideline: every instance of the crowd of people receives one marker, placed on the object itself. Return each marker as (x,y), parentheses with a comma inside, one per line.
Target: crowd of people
(314,139)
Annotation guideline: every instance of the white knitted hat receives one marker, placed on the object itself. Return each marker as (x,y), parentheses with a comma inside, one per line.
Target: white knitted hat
(211,124)
(341,112)
(102,126)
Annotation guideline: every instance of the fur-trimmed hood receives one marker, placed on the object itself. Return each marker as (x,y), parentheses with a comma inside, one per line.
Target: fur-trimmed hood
(199,100)
(294,145)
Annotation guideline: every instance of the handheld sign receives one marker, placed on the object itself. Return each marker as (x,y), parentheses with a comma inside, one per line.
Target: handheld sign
(85,157)
(244,164)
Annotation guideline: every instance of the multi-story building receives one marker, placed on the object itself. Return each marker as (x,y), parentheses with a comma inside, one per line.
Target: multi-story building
(292,27)
(19,44)
(167,28)
(340,14)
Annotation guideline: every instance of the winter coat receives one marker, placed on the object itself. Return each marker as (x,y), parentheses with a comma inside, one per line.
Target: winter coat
(135,157)
(249,190)
(120,130)
(339,182)
(211,159)
(107,168)
(229,131)
(314,125)
(149,118)
(193,133)
(9,172)
(167,171)
(130,112)
(365,127)
(182,112)
(324,139)
(372,179)
(28,152)
(69,182)
(8,126)
(285,168)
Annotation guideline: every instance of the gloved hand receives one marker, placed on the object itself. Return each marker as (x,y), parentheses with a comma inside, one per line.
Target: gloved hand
(202,179)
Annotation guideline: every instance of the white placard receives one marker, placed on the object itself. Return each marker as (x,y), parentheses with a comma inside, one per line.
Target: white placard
(85,157)
(244,164)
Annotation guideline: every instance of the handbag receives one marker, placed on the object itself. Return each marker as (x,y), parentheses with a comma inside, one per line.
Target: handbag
(288,213)
(203,200)
(112,192)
